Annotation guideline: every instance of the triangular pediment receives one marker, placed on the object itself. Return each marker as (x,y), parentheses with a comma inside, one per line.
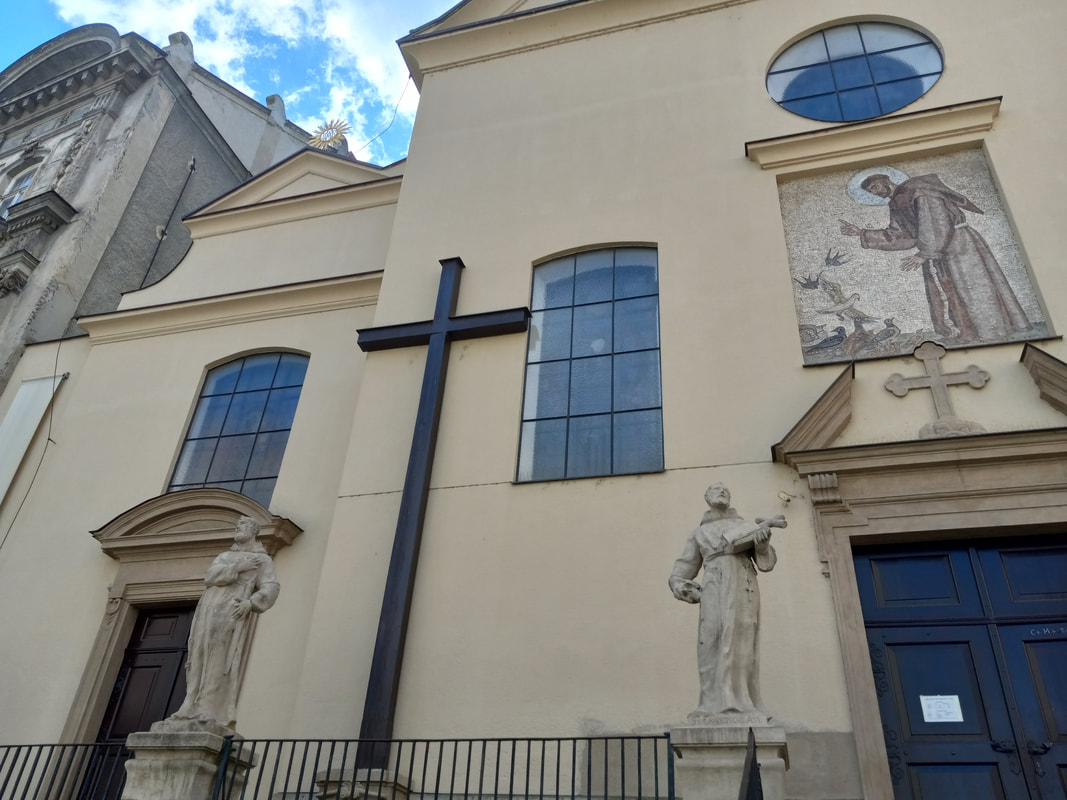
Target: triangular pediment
(308,172)
(823,422)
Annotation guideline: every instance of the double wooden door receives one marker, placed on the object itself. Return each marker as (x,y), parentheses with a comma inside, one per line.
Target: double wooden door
(968,644)
(150,686)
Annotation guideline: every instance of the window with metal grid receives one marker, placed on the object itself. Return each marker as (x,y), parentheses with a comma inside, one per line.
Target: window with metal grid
(241,425)
(856,71)
(592,402)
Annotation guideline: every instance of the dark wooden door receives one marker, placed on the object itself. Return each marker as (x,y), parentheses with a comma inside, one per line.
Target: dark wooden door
(150,686)
(968,645)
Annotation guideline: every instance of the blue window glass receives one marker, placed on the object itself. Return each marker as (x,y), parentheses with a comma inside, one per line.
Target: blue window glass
(592,403)
(855,71)
(241,424)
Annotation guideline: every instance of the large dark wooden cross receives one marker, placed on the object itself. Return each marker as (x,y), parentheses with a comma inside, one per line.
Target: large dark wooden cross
(400,583)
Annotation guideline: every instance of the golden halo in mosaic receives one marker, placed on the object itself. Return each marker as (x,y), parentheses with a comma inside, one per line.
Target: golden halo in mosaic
(329,134)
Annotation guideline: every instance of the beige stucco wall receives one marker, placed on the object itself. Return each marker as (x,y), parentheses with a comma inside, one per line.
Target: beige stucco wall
(543,608)
(119,422)
(539,609)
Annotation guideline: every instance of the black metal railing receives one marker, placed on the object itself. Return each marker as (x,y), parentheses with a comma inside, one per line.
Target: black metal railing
(587,768)
(62,771)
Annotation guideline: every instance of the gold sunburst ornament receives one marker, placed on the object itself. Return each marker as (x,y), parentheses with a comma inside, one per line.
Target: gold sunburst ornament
(326,136)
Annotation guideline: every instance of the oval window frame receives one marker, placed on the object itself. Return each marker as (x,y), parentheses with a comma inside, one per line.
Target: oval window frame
(853,71)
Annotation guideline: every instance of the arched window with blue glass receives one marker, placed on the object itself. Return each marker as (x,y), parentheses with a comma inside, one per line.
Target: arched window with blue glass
(853,72)
(241,425)
(592,402)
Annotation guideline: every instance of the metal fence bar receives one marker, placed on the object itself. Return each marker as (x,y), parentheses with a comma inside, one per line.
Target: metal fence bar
(505,768)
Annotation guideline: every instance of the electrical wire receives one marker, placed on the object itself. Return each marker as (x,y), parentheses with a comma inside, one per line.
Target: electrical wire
(396,108)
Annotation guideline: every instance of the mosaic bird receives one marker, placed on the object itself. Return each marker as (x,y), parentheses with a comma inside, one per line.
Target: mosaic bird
(809,334)
(809,281)
(843,307)
(830,342)
(890,331)
(834,259)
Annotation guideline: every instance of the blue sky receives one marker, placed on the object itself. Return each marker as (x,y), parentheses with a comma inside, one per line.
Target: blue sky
(327,58)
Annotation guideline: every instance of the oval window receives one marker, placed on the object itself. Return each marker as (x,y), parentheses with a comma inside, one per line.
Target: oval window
(855,71)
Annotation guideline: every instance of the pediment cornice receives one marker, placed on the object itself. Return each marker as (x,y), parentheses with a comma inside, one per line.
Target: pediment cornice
(188,524)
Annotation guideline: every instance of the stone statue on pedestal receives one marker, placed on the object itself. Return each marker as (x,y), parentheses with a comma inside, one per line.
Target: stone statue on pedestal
(730,550)
(240,583)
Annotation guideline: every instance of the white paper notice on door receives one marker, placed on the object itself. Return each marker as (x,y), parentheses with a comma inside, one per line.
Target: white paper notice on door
(941,708)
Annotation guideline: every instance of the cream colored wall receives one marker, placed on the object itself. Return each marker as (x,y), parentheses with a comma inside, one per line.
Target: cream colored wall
(258,255)
(119,422)
(543,608)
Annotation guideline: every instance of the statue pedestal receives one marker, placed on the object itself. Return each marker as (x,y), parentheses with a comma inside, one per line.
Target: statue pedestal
(179,765)
(711,758)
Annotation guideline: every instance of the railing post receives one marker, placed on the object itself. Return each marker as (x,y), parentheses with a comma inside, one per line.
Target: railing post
(670,766)
(224,760)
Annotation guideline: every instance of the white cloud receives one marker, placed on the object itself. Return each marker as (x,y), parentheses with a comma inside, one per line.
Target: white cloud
(364,75)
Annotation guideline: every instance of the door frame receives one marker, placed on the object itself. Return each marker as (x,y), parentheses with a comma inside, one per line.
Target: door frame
(988,485)
(163,547)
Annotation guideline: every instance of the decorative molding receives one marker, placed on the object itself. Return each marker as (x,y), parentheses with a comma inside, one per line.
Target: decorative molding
(15,269)
(331,294)
(824,421)
(344,173)
(824,488)
(383,192)
(189,524)
(47,211)
(122,69)
(426,51)
(164,546)
(997,484)
(1050,375)
(920,132)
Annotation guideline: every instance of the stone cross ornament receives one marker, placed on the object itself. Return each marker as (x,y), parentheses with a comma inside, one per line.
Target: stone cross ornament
(947,423)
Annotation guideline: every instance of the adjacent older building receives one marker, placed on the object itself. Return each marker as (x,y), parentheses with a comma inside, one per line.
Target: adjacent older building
(808,250)
(106,141)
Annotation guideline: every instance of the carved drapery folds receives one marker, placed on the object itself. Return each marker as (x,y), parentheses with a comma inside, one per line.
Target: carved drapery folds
(163,546)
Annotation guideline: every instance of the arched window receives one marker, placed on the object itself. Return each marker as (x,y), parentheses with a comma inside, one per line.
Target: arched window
(592,402)
(16,187)
(239,430)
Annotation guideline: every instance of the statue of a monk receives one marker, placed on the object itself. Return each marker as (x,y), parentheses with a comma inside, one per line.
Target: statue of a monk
(730,551)
(240,583)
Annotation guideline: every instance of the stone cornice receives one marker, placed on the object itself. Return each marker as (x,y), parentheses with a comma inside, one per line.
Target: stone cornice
(924,454)
(122,68)
(823,422)
(1050,375)
(445,48)
(271,303)
(937,129)
(188,524)
(291,209)
(46,210)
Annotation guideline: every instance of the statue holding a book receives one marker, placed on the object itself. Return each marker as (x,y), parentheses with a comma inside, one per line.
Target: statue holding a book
(730,550)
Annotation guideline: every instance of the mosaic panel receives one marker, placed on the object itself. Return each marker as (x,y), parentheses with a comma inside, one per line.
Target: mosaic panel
(887,257)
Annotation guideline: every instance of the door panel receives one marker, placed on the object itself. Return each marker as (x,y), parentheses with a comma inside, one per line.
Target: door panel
(1037,663)
(980,631)
(970,739)
(150,686)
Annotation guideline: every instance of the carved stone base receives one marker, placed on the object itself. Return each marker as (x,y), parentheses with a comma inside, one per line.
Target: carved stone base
(711,759)
(350,784)
(949,426)
(171,765)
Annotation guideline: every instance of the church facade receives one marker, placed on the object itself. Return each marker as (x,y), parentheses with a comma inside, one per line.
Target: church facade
(809,251)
